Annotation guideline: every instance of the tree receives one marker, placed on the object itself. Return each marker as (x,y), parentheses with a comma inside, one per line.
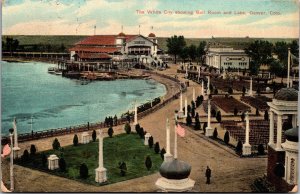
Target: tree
(239,147)
(32,149)
(75,140)
(44,159)
(175,45)
(256,112)
(215,133)
(110,132)
(266,116)
(260,149)
(148,163)
(83,171)
(162,153)
(150,142)
(260,52)
(244,90)
(94,135)
(230,91)
(294,48)
(156,148)
(201,51)
(219,117)
(55,144)
(62,165)
(243,116)
(123,168)
(127,128)
(281,50)
(192,51)
(226,137)
(235,111)
(25,156)
(62,48)
(137,128)
(184,54)
(277,68)
(188,120)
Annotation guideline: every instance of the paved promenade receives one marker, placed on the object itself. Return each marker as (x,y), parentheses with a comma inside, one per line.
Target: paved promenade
(230,173)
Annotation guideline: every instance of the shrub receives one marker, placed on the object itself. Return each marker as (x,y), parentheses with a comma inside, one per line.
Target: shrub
(44,160)
(226,137)
(260,149)
(110,132)
(150,142)
(213,112)
(32,149)
(266,116)
(62,165)
(197,124)
(244,90)
(55,144)
(235,111)
(127,128)
(243,116)
(204,125)
(162,153)
(215,133)
(156,148)
(25,156)
(258,91)
(142,133)
(219,117)
(193,112)
(83,171)
(256,112)
(239,147)
(148,163)
(216,91)
(189,108)
(94,135)
(188,120)
(137,128)
(230,91)
(123,168)
(75,140)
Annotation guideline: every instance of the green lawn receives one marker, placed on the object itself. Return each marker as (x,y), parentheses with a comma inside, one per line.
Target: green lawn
(123,147)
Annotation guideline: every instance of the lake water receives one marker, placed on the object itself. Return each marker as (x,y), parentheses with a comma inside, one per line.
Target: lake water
(53,101)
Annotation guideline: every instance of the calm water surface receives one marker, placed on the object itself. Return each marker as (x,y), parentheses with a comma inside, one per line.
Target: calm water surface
(54,102)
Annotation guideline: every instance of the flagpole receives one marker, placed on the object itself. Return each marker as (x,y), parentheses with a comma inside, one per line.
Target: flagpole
(175,143)
(289,61)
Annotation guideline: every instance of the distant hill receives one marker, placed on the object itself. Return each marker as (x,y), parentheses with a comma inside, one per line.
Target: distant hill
(69,41)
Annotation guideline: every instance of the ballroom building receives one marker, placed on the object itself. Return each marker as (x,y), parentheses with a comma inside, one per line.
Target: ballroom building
(105,47)
(224,58)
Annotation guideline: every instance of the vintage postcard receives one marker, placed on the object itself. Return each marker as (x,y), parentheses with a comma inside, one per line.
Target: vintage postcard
(149,96)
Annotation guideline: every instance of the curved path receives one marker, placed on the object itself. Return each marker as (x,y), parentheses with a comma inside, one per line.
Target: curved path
(229,172)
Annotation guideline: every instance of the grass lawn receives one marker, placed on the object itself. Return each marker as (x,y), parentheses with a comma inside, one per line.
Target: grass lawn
(128,148)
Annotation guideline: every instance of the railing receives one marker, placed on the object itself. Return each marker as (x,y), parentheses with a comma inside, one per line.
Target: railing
(143,111)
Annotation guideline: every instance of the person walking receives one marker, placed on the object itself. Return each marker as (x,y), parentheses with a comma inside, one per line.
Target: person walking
(208,175)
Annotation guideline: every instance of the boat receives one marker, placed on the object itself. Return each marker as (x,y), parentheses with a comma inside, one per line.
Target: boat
(58,72)
(52,70)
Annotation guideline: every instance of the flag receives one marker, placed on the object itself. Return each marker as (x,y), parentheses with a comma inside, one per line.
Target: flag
(6,151)
(180,130)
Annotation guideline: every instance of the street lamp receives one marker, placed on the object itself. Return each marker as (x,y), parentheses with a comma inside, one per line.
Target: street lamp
(11,131)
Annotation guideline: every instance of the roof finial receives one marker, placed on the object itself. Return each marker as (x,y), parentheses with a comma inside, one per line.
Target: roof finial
(152,28)
(95,30)
(139,29)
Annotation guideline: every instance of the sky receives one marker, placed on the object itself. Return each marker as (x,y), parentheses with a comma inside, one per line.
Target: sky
(190,18)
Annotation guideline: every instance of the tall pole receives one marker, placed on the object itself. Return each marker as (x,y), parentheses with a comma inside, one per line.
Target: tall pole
(135,114)
(100,149)
(15,133)
(208,114)
(250,90)
(11,163)
(175,143)
(247,128)
(181,101)
(208,84)
(194,96)
(199,72)
(202,88)
(185,105)
(168,137)
(288,70)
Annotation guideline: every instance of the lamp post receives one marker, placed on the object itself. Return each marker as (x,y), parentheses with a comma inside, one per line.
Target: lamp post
(11,131)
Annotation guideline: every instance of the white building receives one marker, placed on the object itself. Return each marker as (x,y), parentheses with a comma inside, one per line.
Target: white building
(223,58)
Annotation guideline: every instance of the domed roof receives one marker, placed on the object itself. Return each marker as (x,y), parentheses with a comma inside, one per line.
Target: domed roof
(151,35)
(121,34)
(292,134)
(287,94)
(175,169)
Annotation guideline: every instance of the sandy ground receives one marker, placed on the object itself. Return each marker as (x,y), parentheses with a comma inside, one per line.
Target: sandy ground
(230,173)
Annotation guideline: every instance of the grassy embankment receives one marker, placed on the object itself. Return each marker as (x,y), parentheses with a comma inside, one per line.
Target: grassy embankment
(128,148)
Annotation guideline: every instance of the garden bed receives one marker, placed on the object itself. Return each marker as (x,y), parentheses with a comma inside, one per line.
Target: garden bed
(228,104)
(124,147)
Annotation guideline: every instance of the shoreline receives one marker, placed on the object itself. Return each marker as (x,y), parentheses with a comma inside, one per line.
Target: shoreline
(46,133)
